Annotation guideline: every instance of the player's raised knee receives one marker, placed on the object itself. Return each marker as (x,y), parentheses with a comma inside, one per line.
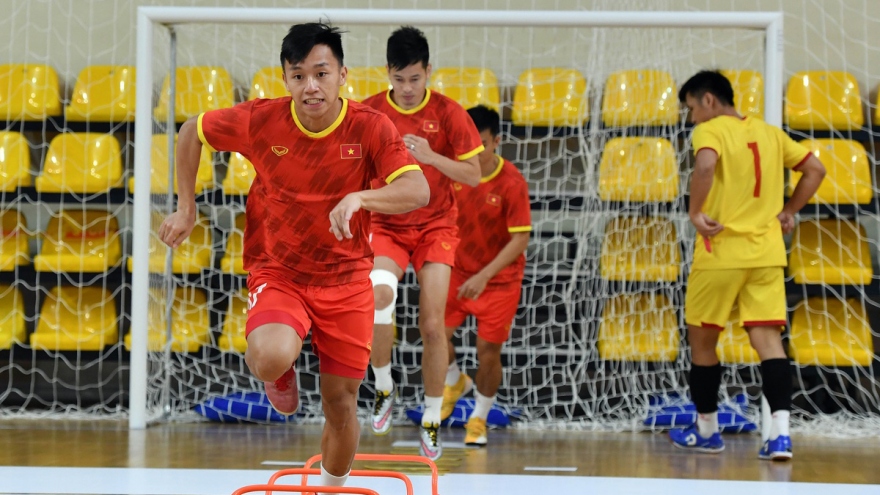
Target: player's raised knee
(268,362)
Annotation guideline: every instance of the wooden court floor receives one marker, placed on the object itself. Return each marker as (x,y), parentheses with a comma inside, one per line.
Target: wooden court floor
(514,451)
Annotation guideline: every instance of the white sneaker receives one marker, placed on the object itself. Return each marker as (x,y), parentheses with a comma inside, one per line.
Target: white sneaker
(430,445)
(381,417)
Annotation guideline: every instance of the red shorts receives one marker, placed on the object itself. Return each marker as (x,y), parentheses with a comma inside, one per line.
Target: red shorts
(494,310)
(340,317)
(434,243)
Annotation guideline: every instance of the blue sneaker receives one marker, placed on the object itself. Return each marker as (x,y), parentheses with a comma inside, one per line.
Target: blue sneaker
(689,439)
(778,449)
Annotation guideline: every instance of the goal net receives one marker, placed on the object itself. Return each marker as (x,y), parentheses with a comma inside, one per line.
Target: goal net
(590,118)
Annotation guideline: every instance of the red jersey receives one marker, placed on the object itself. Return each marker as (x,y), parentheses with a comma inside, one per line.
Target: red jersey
(300,177)
(490,212)
(450,132)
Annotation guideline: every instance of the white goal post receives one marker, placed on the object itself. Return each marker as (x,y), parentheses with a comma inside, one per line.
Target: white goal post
(150,17)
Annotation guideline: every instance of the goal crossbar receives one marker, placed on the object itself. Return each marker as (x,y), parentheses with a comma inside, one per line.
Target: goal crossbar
(150,17)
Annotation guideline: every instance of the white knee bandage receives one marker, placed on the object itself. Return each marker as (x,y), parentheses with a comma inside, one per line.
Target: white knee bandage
(385,316)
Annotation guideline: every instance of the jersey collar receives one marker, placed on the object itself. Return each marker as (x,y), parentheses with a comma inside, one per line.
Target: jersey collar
(495,172)
(413,110)
(328,130)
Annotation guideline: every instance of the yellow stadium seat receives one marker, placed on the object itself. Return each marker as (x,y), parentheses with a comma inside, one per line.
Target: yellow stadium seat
(848,179)
(234,324)
(190,321)
(231,261)
(734,346)
(830,252)
(826,331)
(15,161)
(12,329)
(877,109)
(192,256)
(823,100)
(268,83)
(14,250)
(363,82)
(640,249)
(81,162)
(240,175)
(29,92)
(639,327)
(103,93)
(640,97)
(748,91)
(469,86)
(159,168)
(551,96)
(199,89)
(76,319)
(80,241)
(638,169)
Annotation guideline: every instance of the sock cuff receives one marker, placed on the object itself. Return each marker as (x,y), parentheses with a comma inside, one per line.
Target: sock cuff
(328,476)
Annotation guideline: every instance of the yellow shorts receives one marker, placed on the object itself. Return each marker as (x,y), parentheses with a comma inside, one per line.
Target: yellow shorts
(759,292)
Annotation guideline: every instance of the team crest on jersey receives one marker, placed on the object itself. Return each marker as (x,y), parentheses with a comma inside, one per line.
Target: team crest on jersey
(349,151)
(279,150)
(493,199)
(431,126)
(456,186)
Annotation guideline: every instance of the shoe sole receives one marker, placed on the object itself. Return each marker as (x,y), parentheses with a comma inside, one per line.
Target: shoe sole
(285,413)
(425,454)
(476,444)
(702,450)
(779,457)
(382,432)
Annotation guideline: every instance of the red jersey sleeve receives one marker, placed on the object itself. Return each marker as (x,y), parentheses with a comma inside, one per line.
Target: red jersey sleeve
(519,209)
(463,134)
(388,152)
(227,129)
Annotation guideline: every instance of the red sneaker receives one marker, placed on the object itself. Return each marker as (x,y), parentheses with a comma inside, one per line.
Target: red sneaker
(283,393)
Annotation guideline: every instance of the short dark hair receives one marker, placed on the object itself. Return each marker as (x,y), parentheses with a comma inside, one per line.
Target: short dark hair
(485,119)
(707,81)
(301,38)
(407,46)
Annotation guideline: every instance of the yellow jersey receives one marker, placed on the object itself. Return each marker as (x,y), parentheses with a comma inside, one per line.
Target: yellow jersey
(747,192)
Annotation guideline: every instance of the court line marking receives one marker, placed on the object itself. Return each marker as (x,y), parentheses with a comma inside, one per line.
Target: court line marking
(569,469)
(415,443)
(283,463)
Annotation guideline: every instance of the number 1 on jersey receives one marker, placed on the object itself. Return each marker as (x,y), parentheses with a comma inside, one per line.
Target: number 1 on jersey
(754,147)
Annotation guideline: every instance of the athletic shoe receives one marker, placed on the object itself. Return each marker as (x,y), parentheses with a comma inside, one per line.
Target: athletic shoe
(451,394)
(430,445)
(283,393)
(380,420)
(689,439)
(476,433)
(778,449)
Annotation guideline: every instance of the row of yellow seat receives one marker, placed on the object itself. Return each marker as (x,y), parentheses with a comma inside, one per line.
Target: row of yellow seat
(634,327)
(84,162)
(631,168)
(829,251)
(824,331)
(85,319)
(646,169)
(819,100)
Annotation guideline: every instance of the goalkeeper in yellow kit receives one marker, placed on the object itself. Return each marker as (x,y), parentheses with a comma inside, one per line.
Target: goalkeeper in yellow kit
(736,205)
